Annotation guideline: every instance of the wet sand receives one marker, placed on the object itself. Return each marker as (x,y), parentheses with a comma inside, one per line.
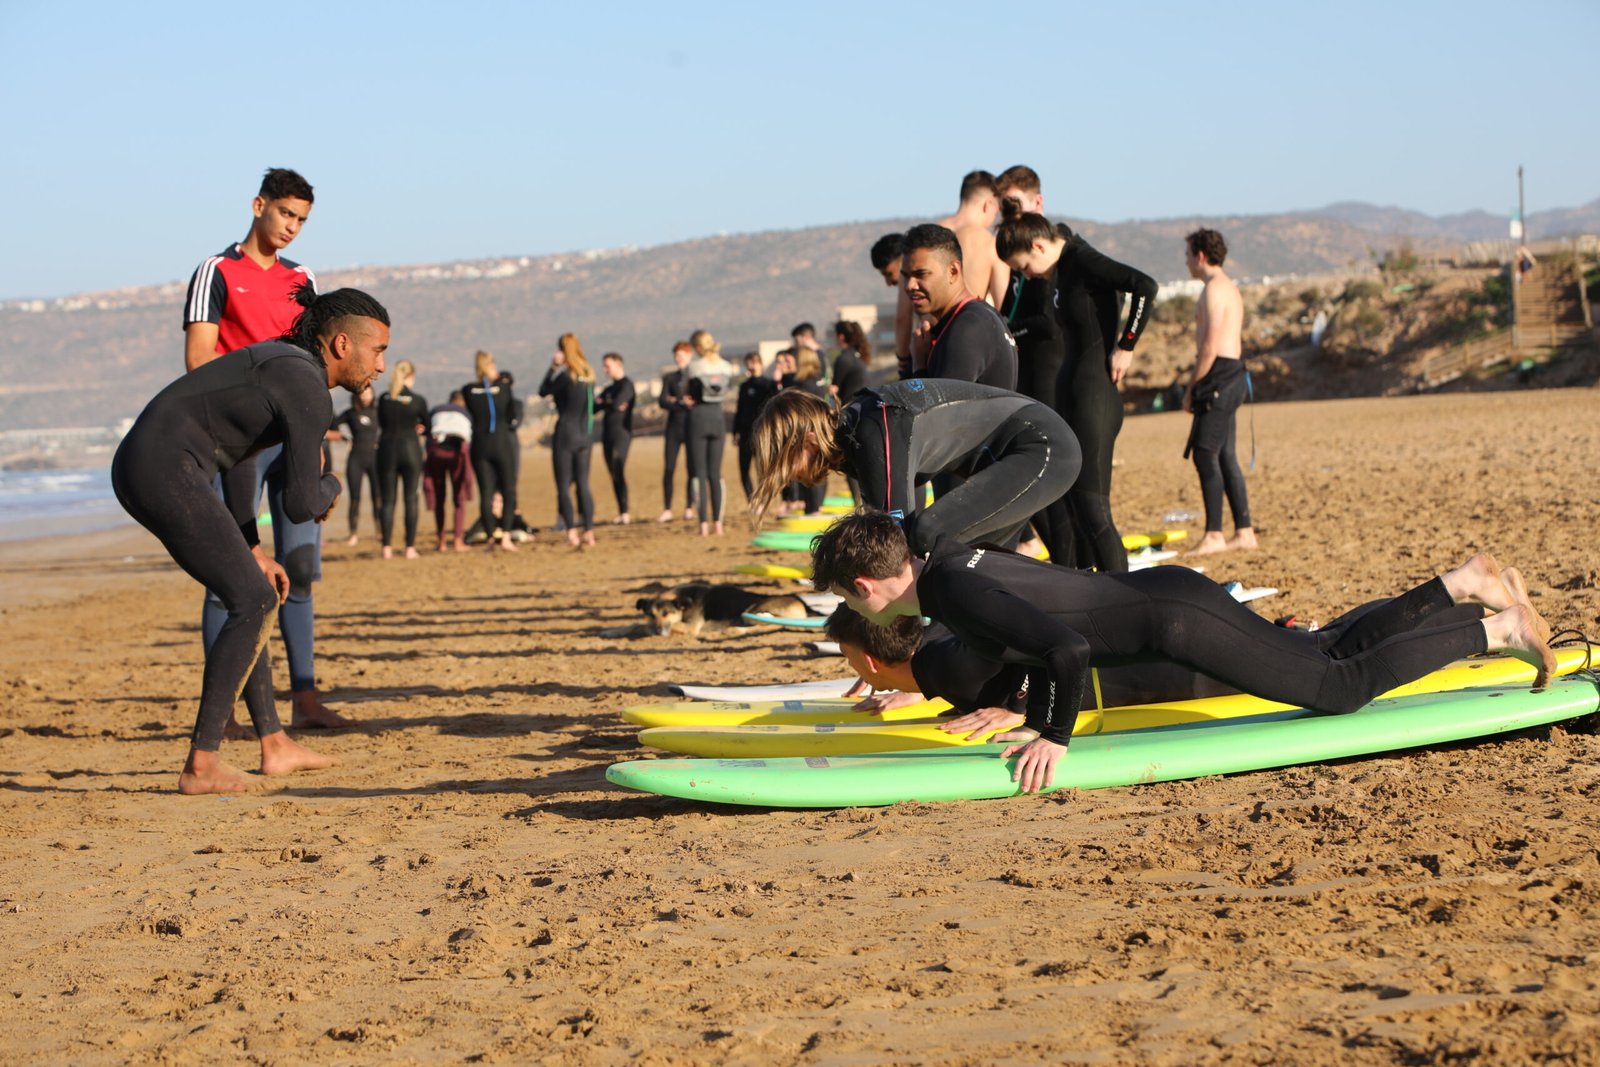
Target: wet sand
(466,886)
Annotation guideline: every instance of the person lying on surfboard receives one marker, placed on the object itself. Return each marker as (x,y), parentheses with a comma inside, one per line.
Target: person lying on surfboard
(1017,610)
(909,663)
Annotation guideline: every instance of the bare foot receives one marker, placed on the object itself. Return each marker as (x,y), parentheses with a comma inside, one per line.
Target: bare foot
(623,520)
(665,516)
(388,553)
(1209,545)
(237,731)
(716,529)
(1478,581)
(572,536)
(688,514)
(1244,539)
(204,773)
(311,714)
(354,541)
(281,754)
(705,529)
(412,553)
(461,546)
(1518,631)
(506,544)
(1511,578)
(588,539)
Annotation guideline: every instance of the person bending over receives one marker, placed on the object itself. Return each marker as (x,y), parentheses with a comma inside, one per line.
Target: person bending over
(1008,607)
(1013,454)
(215,419)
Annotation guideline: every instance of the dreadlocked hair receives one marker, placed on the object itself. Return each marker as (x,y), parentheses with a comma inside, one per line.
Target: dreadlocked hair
(326,315)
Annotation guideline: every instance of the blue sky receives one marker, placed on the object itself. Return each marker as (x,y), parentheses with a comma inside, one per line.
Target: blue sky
(137,133)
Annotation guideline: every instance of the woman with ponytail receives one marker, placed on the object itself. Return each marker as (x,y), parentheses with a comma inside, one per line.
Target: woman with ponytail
(402,420)
(570,383)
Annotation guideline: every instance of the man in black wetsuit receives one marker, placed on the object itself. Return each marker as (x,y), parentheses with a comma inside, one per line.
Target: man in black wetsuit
(1013,609)
(757,388)
(968,339)
(215,418)
(674,388)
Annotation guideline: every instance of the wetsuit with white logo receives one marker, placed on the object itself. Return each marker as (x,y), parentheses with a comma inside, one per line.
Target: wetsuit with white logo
(494,447)
(1087,298)
(218,417)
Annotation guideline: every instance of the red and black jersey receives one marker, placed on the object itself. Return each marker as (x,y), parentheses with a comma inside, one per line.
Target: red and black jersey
(248,304)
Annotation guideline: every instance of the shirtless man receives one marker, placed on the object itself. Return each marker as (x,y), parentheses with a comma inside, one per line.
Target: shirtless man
(1215,392)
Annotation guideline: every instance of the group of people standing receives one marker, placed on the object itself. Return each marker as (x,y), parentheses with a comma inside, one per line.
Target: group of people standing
(998,296)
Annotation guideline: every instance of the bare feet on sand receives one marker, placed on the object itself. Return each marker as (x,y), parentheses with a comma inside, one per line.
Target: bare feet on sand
(281,754)
(665,516)
(1243,540)
(623,520)
(311,714)
(461,546)
(204,773)
(505,544)
(412,553)
(354,541)
(388,553)
(1519,631)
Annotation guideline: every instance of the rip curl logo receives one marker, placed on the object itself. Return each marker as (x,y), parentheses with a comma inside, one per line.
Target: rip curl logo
(916,386)
(976,556)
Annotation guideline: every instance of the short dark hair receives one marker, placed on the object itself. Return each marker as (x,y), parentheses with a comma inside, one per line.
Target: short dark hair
(280,182)
(865,544)
(887,249)
(977,183)
(804,327)
(613,355)
(895,643)
(1018,177)
(1208,243)
(932,236)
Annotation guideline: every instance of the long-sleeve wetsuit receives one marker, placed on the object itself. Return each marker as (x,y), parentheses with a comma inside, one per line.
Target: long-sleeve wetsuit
(1087,297)
(217,418)
(400,459)
(675,436)
(572,444)
(361,426)
(616,434)
(709,382)
(1016,610)
(494,447)
(1014,453)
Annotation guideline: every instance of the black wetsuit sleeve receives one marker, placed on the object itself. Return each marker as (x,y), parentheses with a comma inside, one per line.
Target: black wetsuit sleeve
(982,612)
(553,387)
(1101,269)
(299,396)
(672,386)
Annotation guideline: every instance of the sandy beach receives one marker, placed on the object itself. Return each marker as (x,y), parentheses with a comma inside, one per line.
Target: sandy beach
(465,885)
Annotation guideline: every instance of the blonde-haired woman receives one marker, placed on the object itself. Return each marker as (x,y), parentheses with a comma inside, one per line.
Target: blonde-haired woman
(710,379)
(493,410)
(1016,454)
(570,382)
(402,420)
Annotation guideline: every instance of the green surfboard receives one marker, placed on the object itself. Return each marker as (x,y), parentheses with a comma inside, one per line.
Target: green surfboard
(1160,754)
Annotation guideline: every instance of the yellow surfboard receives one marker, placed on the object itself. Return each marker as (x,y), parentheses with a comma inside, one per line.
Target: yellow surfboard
(773,712)
(767,739)
(1131,542)
(773,570)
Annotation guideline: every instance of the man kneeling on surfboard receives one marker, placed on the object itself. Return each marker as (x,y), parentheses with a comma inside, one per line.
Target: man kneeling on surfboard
(1012,609)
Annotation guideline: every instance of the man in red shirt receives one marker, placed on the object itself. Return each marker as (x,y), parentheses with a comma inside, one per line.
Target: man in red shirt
(239,297)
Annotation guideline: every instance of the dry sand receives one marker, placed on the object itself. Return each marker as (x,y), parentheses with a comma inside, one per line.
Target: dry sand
(466,886)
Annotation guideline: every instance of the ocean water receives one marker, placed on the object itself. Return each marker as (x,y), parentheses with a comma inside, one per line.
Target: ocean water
(56,503)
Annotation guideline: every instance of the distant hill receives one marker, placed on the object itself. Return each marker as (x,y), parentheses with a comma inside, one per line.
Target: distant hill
(96,358)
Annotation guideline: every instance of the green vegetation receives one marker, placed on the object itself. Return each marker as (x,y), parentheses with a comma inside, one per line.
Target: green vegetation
(1177,311)
(1402,260)
(1361,291)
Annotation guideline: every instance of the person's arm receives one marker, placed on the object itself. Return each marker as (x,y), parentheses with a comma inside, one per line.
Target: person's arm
(884,481)
(419,410)
(999,282)
(199,344)
(902,330)
(202,311)
(549,386)
(1123,278)
(301,402)
(239,496)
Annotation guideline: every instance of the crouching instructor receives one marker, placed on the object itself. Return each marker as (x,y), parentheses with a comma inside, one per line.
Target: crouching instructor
(216,418)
